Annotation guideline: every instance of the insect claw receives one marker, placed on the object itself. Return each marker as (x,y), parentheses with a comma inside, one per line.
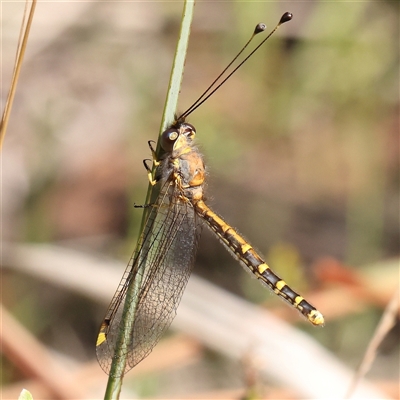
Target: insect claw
(148,169)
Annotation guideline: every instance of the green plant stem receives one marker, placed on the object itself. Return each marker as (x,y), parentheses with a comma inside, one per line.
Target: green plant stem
(114,384)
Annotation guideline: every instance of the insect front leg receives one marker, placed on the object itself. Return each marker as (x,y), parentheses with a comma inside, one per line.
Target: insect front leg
(153,153)
(155,162)
(149,172)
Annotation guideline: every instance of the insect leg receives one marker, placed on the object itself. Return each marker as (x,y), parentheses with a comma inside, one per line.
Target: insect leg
(153,153)
(149,172)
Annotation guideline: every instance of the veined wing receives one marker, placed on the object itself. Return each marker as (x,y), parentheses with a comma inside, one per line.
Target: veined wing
(159,268)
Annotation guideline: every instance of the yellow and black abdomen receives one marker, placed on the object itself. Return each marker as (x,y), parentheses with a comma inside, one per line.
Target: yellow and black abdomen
(252,261)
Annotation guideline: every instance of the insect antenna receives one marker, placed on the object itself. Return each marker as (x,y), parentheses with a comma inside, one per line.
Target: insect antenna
(287,16)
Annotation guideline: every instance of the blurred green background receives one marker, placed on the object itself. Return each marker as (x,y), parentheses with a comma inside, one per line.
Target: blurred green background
(301,145)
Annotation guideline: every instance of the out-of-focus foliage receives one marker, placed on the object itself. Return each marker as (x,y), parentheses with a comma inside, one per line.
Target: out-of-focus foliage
(302,144)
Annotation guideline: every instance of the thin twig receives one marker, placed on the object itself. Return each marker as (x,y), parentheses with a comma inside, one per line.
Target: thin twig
(386,323)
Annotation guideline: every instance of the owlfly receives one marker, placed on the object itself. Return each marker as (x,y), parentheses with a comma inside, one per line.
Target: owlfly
(163,259)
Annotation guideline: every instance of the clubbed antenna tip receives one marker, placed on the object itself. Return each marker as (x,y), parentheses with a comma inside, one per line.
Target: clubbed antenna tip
(286,17)
(261,27)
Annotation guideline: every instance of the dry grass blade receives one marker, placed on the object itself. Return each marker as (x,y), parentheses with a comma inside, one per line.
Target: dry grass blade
(34,360)
(22,43)
(217,319)
(386,323)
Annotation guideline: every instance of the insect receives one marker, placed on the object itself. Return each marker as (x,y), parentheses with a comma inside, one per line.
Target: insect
(159,269)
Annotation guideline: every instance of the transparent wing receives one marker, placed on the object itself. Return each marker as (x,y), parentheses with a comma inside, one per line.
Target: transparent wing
(159,268)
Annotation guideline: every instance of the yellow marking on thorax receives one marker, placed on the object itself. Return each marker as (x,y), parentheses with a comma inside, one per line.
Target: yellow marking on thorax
(181,147)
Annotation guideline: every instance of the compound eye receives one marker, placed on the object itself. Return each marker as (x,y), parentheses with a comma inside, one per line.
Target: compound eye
(168,139)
